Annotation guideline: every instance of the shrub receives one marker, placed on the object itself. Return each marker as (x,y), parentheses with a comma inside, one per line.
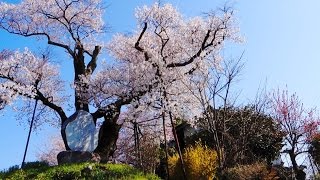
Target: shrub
(261,140)
(36,164)
(243,172)
(11,169)
(314,149)
(200,163)
(316,177)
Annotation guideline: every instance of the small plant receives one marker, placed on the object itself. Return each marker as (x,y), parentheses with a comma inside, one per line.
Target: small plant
(200,163)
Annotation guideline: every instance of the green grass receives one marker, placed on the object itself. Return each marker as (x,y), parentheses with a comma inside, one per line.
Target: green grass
(77,171)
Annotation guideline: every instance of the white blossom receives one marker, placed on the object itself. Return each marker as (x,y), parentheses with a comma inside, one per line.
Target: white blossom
(154,69)
(22,74)
(62,21)
(172,51)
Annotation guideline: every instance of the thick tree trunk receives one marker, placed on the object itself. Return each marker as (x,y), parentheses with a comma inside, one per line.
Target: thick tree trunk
(79,69)
(299,174)
(108,136)
(109,131)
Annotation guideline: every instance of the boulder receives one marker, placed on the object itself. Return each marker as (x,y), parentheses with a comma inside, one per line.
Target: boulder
(65,157)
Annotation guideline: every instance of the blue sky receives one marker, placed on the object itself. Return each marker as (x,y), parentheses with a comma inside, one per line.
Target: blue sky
(281,48)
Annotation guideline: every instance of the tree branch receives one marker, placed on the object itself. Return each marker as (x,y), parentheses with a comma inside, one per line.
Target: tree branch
(61,45)
(136,45)
(116,106)
(27,34)
(51,105)
(93,63)
(203,47)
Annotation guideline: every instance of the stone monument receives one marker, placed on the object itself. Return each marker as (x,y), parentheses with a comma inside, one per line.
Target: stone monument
(82,138)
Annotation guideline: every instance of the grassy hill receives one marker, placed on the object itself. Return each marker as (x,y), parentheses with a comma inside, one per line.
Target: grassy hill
(40,171)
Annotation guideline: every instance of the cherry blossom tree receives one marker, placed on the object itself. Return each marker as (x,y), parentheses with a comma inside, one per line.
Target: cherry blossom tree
(71,25)
(3,97)
(151,71)
(23,74)
(50,149)
(299,125)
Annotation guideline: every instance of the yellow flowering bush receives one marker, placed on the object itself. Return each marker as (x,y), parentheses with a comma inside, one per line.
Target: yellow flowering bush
(200,163)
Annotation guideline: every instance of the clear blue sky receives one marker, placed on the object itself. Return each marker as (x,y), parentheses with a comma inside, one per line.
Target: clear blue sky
(282,47)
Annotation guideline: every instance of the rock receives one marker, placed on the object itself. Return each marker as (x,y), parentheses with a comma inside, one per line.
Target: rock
(65,157)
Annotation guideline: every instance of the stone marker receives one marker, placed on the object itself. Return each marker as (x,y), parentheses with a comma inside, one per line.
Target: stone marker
(66,157)
(81,132)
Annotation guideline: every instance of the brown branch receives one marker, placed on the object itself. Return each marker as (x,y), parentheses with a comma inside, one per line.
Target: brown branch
(26,34)
(203,47)
(61,45)
(136,45)
(93,63)
(39,96)
(51,105)
(164,42)
(101,112)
